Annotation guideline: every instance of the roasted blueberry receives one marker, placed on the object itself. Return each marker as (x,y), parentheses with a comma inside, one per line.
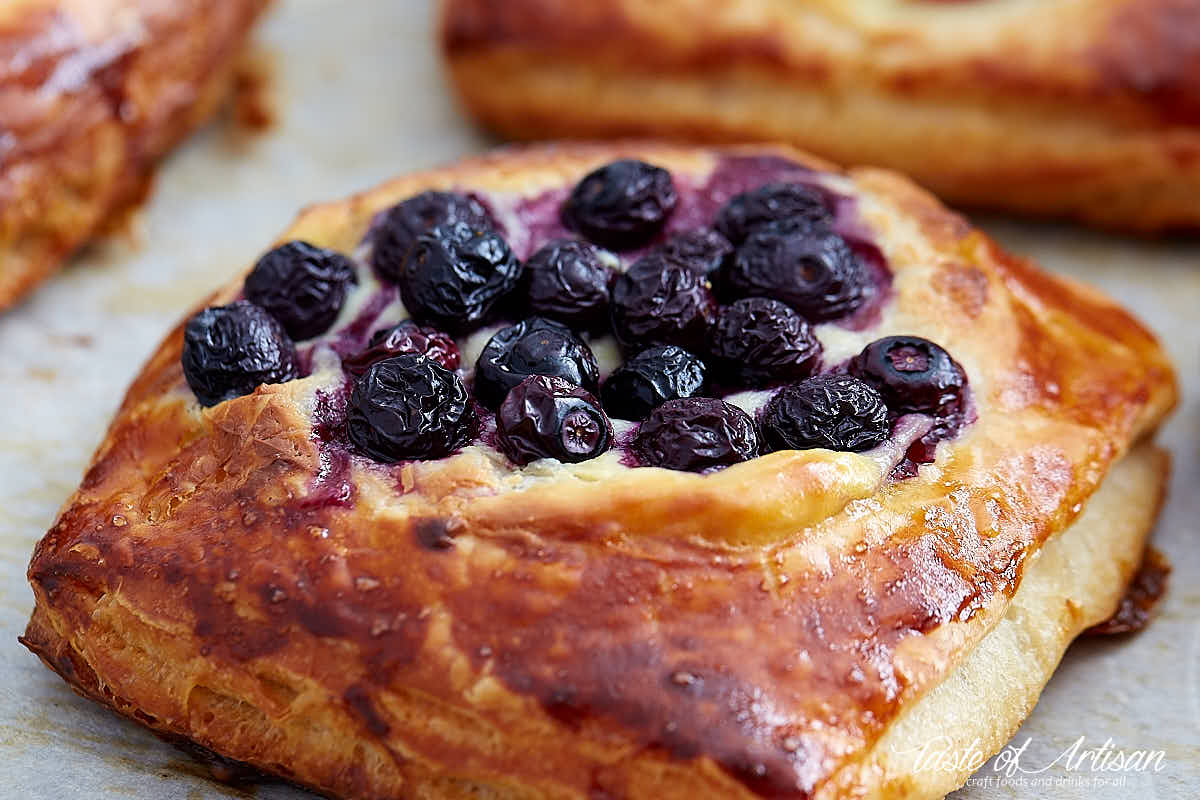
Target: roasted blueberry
(536,346)
(228,351)
(409,407)
(456,274)
(661,301)
(302,286)
(912,374)
(567,280)
(550,418)
(702,249)
(695,434)
(758,341)
(651,378)
(817,274)
(621,205)
(399,226)
(837,412)
(406,337)
(749,211)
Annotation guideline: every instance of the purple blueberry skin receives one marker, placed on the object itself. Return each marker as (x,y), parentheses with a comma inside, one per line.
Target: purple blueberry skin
(405,337)
(695,434)
(456,275)
(536,346)
(836,412)
(302,286)
(773,202)
(914,375)
(621,205)
(758,342)
(651,378)
(398,227)
(409,407)
(545,417)
(817,274)
(661,301)
(702,249)
(567,280)
(229,351)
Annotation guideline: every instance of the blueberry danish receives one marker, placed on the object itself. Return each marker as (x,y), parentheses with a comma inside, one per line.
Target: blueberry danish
(586,471)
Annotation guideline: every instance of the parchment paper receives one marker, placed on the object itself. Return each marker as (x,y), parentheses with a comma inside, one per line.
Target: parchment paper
(362,97)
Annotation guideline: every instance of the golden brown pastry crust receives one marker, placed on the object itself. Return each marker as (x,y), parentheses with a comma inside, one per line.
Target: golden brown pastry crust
(1080,108)
(219,576)
(979,706)
(92,94)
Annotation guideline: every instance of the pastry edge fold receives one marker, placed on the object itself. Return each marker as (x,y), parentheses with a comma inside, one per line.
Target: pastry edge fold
(1076,580)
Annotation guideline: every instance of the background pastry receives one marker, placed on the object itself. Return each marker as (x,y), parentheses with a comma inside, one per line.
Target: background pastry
(92,94)
(1087,109)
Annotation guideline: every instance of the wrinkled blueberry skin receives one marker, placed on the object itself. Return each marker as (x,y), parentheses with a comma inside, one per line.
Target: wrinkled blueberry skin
(550,418)
(228,351)
(757,342)
(536,346)
(816,274)
(913,375)
(695,434)
(302,286)
(661,301)
(567,280)
(750,210)
(837,412)
(399,227)
(703,250)
(651,378)
(409,407)
(406,337)
(621,205)
(455,275)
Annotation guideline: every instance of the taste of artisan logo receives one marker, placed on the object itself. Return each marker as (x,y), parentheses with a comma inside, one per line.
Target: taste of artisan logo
(1086,764)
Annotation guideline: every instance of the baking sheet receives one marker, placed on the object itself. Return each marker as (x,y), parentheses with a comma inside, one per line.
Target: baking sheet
(361,97)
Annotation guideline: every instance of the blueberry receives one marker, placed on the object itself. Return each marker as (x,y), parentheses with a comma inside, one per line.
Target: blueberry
(536,346)
(545,417)
(651,378)
(758,341)
(456,274)
(409,407)
(817,274)
(912,374)
(661,301)
(695,434)
(406,337)
(567,280)
(228,351)
(399,227)
(621,205)
(702,249)
(837,412)
(749,211)
(302,286)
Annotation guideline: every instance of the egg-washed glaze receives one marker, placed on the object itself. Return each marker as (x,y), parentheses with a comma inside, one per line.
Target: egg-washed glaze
(92,94)
(224,575)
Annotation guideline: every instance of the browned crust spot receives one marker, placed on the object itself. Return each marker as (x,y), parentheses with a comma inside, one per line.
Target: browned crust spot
(1142,597)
